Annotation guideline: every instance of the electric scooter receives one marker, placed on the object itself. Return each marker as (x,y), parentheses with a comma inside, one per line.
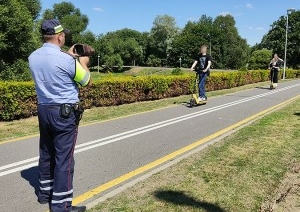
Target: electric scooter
(194,100)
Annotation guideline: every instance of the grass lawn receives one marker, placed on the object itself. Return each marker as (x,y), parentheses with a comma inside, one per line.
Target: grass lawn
(29,126)
(241,173)
(144,71)
(137,71)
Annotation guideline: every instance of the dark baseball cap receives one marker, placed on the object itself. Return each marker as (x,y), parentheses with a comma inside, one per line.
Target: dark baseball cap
(52,27)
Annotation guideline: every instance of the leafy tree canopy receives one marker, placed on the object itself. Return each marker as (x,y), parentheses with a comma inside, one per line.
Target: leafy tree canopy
(70,17)
(275,39)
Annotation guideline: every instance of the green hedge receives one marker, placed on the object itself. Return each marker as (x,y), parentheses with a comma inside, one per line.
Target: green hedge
(18,99)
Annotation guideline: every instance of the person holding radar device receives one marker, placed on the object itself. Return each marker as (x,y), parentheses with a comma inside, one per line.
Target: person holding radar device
(203,63)
(57,76)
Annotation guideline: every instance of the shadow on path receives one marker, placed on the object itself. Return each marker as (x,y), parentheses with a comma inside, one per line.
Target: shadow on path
(31,175)
(264,88)
(180,198)
(185,103)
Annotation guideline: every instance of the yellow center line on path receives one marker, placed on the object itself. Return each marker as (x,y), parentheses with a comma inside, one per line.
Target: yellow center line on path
(89,194)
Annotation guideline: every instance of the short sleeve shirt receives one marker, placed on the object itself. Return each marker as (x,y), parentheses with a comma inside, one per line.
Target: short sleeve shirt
(53,72)
(275,64)
(202,60)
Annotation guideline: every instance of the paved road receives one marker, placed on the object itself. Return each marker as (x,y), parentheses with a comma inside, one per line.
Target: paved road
(108,150)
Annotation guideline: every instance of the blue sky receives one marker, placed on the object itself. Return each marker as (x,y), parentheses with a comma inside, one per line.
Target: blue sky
(253,17)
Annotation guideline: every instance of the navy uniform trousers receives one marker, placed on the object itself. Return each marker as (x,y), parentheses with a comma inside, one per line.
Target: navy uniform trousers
(56,164)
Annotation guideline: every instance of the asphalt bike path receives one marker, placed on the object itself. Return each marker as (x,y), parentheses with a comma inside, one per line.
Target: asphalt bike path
(111,153)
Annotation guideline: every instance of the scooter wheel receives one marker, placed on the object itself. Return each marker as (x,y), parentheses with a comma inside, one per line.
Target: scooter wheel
(192,102)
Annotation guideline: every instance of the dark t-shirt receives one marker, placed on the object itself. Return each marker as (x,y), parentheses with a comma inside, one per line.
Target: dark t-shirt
(276,64)
(202,61)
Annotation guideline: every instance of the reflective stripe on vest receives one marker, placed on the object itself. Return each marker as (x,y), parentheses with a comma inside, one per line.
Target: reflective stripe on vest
(82,76)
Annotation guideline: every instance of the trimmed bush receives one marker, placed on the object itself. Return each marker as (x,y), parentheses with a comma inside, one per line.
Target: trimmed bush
(122,90)
(177,71)
(18,99)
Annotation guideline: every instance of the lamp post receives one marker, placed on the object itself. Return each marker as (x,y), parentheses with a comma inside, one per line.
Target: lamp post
(180,62)
(98,64)
(286,39)
(209,44)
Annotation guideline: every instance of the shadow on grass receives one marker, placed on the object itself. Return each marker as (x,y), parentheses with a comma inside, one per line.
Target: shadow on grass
(31,175)
(182,199)
(297,114)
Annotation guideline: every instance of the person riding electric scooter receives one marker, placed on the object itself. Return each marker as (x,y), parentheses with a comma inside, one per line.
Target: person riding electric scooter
(274,66)
(203,70)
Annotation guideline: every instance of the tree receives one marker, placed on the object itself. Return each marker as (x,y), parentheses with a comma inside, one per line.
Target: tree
(86,37)
(153,61)
(17,39)
(111,61)
(163,32)
(128,44)
(229,50)
(70,17)
(186,44)
(131,51)
(103,48)
(34,7)
(275,39)
(260,59)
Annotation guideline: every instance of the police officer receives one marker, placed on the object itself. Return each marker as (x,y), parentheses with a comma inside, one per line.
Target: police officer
(57,76)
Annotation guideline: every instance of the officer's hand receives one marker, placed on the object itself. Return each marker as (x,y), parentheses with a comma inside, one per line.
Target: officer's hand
(84,60)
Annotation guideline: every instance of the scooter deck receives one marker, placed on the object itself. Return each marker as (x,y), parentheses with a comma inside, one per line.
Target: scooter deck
(272,86)
(197,102)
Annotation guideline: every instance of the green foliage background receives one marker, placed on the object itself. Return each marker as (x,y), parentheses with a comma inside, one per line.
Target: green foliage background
(163,45)
(17,37)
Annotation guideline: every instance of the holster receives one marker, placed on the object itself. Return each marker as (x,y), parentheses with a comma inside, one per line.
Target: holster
(67,109)
(78,110)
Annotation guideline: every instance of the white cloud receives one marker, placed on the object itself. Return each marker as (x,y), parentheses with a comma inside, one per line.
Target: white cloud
(259,28)
(98,9)
(224,13)
(250,6)
(254,28)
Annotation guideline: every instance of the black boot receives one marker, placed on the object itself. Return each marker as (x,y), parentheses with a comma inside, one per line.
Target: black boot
(78,209)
